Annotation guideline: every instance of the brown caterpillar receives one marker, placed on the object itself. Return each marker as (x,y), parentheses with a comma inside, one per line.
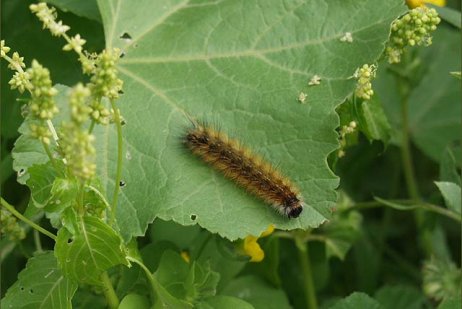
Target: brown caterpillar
(245,168)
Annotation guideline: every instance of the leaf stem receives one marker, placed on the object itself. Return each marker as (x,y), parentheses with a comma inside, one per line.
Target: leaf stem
(109,293)
(304,259)
(149,275)
(50,155)
(119,160)
(11,209)
(410,205)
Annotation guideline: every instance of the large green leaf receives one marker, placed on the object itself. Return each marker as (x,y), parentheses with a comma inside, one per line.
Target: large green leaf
(86,255)
(241,64)
(40,285)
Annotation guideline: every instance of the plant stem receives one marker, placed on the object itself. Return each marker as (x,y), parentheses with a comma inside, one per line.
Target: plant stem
(38,243)
(119,160)
(304,259)
(408,166)
(50,155)
(109,293)
(24,219)
(148,275)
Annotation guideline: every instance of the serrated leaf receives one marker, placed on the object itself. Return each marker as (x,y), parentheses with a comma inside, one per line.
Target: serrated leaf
(63,194)
(40,285)
(92,250)
(243,64)
(28,151)
(451,193)
(258,293)
(40,182)
(357,300)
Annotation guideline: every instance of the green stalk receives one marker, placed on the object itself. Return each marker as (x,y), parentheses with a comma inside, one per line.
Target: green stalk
(304,259)
(50,155)
(109,293)
(13,210)
(148,275)
(119,161)
(406,156)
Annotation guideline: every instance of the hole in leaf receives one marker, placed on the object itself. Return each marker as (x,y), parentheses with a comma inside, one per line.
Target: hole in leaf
(21,172)
(21,288)
(123,121)
(69,241)
(122,54)
(122,184)
(31,291)
(126,36)
(193,217)
(120,91)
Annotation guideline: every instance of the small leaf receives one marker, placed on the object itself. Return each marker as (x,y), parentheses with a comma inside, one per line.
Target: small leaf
(63,194)
(341,233)
(357,300)
(131,301)
(374,122)
(172,273)
(41,182)
(451,303)
(201,282)
(400,297)
(224,302)
(450,164)
(92,250)
(257,292)
(452,195)
(40,285)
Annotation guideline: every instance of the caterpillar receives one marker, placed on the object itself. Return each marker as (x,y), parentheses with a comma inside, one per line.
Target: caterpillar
(245,168)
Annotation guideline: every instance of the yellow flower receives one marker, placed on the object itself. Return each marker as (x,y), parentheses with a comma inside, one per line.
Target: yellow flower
(185,256)
(415,3)
(253,249)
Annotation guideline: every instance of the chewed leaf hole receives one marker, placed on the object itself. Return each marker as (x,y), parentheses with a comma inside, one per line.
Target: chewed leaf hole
(69,241)
(193,217)
(126,36)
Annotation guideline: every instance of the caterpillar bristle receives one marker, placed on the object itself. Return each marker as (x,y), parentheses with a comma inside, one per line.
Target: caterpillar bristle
(247,169)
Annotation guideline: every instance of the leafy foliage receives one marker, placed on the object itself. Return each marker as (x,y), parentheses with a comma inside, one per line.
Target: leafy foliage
(157,228)
(86,255)
(40,285)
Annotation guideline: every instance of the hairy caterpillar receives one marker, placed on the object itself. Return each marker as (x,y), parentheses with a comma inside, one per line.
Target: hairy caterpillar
(245,168)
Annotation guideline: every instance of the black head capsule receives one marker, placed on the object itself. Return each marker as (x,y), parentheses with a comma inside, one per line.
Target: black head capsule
(293,207)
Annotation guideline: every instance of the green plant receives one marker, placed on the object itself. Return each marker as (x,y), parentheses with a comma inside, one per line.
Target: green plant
(132,219)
